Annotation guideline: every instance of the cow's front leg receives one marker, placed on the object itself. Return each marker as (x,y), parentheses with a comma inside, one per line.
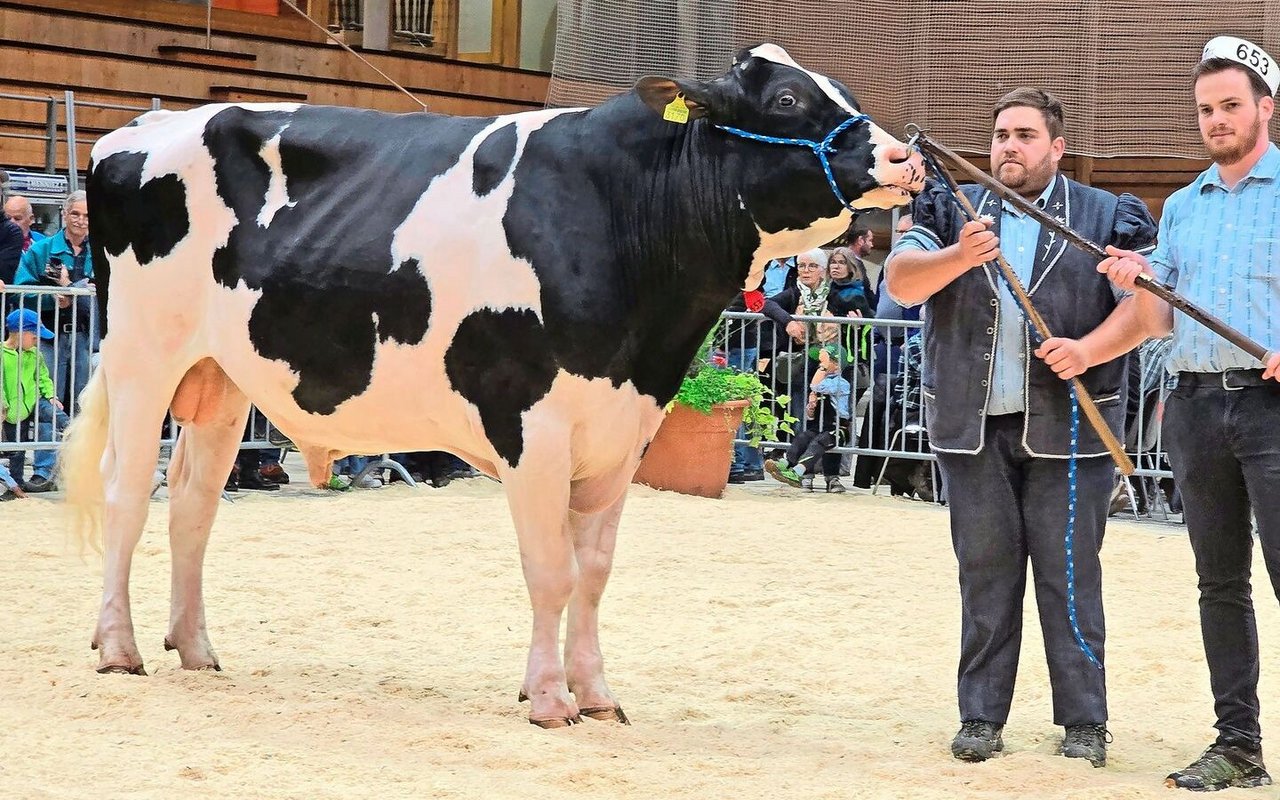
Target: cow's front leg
(539,501)
(594,536)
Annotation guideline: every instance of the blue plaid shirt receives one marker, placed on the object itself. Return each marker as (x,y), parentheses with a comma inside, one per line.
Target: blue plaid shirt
(1018,235)
(1220,249)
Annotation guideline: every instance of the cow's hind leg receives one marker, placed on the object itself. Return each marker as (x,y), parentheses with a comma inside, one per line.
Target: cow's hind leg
(539,500)
(213,412)
(594,536)
(137,401)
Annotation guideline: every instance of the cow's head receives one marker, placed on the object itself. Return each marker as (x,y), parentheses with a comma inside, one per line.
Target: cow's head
(785,187)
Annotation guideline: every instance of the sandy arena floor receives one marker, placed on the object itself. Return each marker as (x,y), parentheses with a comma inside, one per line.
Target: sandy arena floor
(766,645)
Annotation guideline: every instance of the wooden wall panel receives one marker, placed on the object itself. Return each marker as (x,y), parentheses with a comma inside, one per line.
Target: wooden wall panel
(314,59)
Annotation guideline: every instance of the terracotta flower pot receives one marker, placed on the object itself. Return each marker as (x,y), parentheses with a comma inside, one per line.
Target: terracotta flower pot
(692,451)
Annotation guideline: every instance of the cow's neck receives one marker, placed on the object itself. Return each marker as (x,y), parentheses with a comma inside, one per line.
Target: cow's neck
(688,249)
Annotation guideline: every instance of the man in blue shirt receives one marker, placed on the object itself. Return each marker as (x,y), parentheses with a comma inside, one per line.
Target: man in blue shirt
(998,415)
(1219,246)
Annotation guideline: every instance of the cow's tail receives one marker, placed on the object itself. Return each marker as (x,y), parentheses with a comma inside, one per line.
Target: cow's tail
(80,463)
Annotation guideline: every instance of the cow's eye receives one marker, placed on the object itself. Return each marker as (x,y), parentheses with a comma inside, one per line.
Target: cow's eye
(786,100)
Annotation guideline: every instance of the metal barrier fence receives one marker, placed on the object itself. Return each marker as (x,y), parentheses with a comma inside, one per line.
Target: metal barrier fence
(882,418)
(880,421)
(70,138)
(38,404)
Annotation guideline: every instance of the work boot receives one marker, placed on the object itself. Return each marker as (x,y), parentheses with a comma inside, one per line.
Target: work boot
(1222,766)
(273,473)
(977,740)
(1087,741)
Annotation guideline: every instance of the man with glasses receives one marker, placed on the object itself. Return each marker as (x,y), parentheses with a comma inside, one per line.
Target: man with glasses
(63,259)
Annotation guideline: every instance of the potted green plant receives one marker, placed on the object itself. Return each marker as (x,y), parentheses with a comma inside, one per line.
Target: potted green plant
(693,447)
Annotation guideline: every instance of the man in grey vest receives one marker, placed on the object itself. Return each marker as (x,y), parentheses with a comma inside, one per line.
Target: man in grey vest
(998,414)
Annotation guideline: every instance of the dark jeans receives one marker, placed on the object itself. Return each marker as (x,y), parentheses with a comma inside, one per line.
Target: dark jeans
(1007,506)
(1225,450)
(47,423)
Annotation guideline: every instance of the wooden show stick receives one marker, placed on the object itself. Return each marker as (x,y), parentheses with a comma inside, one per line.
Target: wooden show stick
(1150,284)
(1090,409)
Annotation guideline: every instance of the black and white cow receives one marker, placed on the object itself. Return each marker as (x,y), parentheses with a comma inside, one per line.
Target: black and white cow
(524,291)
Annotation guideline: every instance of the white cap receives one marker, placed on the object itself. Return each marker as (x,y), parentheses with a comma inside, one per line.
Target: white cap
(1247,54)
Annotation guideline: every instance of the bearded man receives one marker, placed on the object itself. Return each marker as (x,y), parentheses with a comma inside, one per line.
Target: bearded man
(999,415)
(1220,247)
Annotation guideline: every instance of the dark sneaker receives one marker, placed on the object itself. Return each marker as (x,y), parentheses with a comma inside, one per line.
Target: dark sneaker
(834,486)
(736,477)
(1222,766)
(781,472)
(977,740)
(753,475)
(40,483)
(1087,741)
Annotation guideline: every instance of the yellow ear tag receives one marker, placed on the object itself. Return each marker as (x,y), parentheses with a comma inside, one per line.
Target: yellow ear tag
(676,110)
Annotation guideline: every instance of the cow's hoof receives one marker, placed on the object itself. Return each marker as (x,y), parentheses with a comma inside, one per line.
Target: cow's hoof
(212,665)
(121,669)
(606,714)
(117,669)
(556,722)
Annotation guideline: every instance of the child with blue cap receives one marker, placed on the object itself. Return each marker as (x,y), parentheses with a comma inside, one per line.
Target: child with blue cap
(26,393)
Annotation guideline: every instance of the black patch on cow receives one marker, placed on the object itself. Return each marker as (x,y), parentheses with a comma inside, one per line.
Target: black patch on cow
(501,362)
(150,216)
(637,240)
(323,262)
(493,159)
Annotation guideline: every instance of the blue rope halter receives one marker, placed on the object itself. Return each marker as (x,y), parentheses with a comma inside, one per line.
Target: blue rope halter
(1068,540)
(820,149)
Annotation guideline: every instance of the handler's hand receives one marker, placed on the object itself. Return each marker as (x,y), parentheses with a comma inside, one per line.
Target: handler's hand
(1066,357)
(1272,372)
(1124,267)
(978,245)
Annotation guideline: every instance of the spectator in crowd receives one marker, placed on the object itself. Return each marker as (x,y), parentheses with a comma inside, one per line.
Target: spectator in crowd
(742,351)
(10,250)
(64,259)
(796,359)
(999,417)
(247,473)
(28,397)
(849,295)
(10,488)
(830,408)
(779,274)
(433,466)
(350,468)
(18,210)
(1147,377)
(861,245)
(1216,247)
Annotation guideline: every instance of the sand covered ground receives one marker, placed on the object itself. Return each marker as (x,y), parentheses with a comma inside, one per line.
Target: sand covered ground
(765,645)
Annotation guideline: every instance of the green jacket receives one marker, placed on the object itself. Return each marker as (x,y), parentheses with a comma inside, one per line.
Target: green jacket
(25,369)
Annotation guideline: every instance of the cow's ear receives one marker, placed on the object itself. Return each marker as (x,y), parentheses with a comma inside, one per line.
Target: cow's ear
(657,93)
